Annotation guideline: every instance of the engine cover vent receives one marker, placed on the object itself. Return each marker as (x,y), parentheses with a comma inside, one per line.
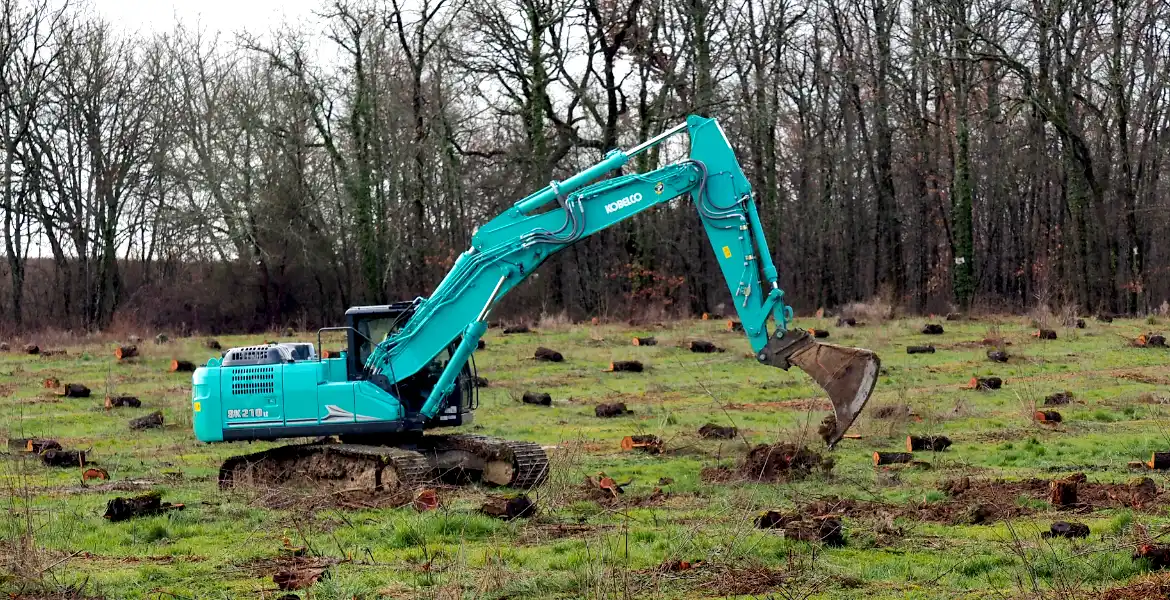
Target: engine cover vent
(256,355)
(256,380)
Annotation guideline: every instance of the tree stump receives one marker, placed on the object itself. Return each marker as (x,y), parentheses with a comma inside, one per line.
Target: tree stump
(1065,529)
(891,458)
(1045,334)
(627,366)
(32,349)
(161,338)
(846,322)
(1058,398)
(1048,416)
(985,383)
(548,355)
(702,346)
(734,326)
(120,509)
(51,383)
(1104,318)
(182,366)
(931,443)
(152,421)
(645,341)
(932,329)
(212,344)
(1080,324)
(538,398)
(920,350)
(124,352)
(38,445)
(516,329)
(480,382)
(711,431)
(1158,555)
(1062,493)
(611,410)
(819,333)
(998,356)
(824,529)
(480,344)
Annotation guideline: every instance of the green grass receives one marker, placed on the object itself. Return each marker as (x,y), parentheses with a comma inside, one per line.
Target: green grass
(52,532)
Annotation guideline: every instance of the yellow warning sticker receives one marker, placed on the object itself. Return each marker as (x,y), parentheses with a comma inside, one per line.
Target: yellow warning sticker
(198,407)
(727,251)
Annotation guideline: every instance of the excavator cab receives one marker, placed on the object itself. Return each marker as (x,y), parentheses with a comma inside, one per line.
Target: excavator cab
(368,326)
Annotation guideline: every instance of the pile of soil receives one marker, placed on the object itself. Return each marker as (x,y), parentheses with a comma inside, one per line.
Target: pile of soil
(774,462)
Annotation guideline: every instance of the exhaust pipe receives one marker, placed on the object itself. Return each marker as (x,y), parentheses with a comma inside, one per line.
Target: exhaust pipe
(848,375)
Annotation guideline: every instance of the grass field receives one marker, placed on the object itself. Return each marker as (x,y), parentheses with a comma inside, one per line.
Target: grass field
(905,536)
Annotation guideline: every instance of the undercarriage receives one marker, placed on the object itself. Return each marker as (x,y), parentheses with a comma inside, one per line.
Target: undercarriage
(405,465)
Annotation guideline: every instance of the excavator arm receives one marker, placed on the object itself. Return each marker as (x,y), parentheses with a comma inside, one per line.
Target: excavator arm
(510,247)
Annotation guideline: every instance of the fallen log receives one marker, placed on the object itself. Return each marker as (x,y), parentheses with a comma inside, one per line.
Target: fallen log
(63,458)
(1150,340)
(37,445)
(702,346)
(627,366)
(1058,398)
(998,356)
(846,322)
(152,421)
(734,326)
(1065,529)
(480,345)
(124,352)
(75,390)
(1104,318)
(51,383)
(645,341)
(1080,324)
(509,507)
(52,353)
(212,344)
(954,317)
(1158,555)
(548,355)
(150,503)
(32,349)
(517,329)
(538,398)
(932,329)
(1159,461)
(611,410)
(1048,416)
(920,350)
(985,383)
(182,366)
(1062,493)
(930,443)
(120,401)
(645,443)
(819,333)
(891,458)
(711,431)
(1045,334)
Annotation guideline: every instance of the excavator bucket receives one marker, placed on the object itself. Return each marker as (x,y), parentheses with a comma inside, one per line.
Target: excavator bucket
(847,374)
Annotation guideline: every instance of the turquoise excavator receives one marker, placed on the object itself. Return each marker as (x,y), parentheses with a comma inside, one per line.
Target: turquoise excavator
(409,367)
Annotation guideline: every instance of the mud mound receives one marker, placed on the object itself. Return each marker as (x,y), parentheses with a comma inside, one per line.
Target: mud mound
(1153,587)
(783,461)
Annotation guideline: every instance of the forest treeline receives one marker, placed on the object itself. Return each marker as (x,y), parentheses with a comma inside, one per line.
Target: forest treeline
(936,154)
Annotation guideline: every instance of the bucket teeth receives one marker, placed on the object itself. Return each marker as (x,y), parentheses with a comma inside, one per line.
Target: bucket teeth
(848,375)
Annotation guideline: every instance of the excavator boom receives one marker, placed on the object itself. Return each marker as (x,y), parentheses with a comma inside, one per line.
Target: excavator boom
(510,247)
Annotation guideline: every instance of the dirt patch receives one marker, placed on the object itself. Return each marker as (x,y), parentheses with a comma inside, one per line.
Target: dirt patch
(1140,377)
(806,404)
(771,463)
(720,580)
(1151,587)
(990,500)
(540,533)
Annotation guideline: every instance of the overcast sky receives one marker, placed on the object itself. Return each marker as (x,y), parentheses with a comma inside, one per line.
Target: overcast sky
(225,15)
